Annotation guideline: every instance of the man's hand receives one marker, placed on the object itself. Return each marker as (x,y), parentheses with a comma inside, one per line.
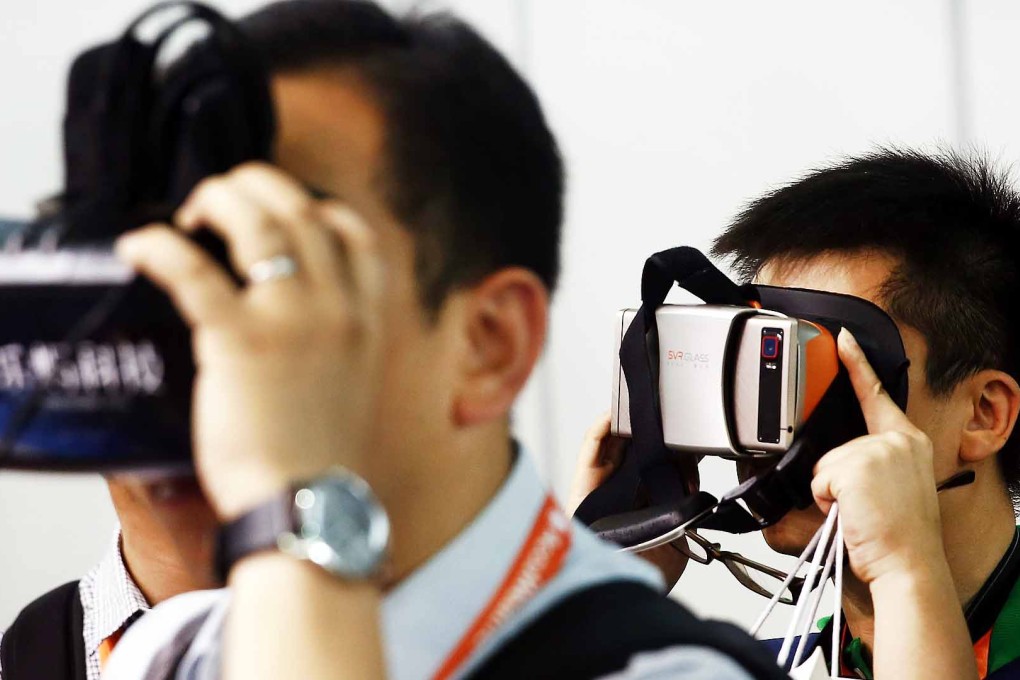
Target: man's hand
(286,367)
(601,455)
(884,482)
(885,485)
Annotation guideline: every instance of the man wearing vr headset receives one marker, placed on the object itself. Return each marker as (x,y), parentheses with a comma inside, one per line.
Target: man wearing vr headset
(933,240)
(396,351)
(163,546)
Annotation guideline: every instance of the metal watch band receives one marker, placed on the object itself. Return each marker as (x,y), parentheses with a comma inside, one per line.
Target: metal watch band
(253,532)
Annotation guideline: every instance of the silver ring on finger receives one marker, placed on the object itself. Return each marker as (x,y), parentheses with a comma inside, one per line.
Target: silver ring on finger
(272,269)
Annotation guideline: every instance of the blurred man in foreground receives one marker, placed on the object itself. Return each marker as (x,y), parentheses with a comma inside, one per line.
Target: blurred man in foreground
(161,547)
(389,329)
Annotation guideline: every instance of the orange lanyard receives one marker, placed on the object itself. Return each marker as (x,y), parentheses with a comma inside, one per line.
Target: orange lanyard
(107,645)
(538,562)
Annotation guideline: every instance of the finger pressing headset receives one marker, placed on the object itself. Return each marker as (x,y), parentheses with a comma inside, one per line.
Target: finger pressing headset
(651,499)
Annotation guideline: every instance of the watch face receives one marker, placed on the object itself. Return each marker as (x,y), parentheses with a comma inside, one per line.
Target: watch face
(342,526)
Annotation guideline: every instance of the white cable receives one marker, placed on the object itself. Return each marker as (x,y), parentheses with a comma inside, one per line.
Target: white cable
(804,557)
(837,616)
(810,580)
(810,619)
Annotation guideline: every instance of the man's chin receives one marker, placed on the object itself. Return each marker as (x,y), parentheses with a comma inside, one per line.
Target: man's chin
(791,534)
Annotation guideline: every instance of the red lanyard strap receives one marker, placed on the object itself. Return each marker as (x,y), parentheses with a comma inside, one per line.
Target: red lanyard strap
(538,562)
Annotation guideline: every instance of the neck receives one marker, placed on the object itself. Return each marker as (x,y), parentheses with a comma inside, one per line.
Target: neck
(164,564)
(159,572)
(983,527)
(438,503)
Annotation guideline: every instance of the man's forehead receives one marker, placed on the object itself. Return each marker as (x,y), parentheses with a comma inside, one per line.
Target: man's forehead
(862,274)
(330,137)
(330,131)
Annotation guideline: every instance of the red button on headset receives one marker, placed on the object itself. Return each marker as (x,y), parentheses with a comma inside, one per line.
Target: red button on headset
(770,347)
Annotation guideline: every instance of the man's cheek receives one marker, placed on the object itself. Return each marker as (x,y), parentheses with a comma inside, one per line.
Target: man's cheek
(791,534)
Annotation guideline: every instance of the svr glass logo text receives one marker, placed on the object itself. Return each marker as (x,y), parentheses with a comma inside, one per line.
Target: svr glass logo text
(687,358)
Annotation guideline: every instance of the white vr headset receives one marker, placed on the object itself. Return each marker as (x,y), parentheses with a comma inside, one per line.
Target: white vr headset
(733,381)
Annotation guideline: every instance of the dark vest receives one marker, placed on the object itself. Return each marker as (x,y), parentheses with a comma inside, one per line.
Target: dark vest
(599,630)
(45,642)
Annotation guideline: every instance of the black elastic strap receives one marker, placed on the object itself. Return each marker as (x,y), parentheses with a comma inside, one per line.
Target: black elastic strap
(597,631)
(649,465)
(632,528)
(984,608)
(45,642)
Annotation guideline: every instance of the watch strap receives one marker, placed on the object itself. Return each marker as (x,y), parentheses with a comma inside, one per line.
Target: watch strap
(255,531)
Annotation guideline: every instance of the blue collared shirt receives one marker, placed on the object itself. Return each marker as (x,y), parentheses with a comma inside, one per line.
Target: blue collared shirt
(427,614)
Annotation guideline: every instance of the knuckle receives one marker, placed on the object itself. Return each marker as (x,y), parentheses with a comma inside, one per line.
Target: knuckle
(194,268)
(262,226)
(337,320)
(151,230)
(251,169)
(924,447)
(352,226)
(303,207)
(147,238)
(898,440)
(209,188)
(919,438)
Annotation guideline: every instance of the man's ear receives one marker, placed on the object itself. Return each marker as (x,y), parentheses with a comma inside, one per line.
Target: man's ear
(506,320)
(995,400)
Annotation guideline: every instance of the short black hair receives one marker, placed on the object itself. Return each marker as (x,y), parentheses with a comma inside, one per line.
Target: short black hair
(471,168)
(952,222)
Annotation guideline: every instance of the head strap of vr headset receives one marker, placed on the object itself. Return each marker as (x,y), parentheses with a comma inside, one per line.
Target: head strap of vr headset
(660,479)
(138,137)
(129,121)
(650,467)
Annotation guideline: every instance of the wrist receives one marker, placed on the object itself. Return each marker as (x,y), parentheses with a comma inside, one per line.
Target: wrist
(269,569)
(236,490)
(243,490)
(913,574)
(905,552)
(333,520)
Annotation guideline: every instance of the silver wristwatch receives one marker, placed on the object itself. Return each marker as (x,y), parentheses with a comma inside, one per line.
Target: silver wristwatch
(334,521)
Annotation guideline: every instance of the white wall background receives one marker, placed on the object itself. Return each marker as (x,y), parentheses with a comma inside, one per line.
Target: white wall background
(670,115)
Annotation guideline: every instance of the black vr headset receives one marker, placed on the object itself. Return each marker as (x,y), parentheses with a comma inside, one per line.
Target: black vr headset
(653,497)
(95,364)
